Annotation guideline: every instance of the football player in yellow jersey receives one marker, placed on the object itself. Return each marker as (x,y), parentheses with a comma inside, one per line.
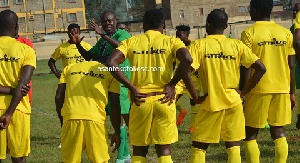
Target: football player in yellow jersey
(295,28)
(153,113)
(274,96)
(82,96)
(17,63)
(217,60)
(68,52)
(182,32)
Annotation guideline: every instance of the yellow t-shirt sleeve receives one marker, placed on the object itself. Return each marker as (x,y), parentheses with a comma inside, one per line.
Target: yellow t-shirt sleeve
(247,58)
(123,47)
(63,78)
(246,39)
(86,46)
(297,21)
(56,55)
(177,45)
(291,50)
(30,57)
(194,51)
(114,86)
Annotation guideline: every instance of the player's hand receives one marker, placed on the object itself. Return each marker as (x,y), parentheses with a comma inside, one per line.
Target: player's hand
(4,121)
(136,96)
(75,36)
(293,101)
(115,141)
(24,90)
(170,94)
(201,98)
(96,28)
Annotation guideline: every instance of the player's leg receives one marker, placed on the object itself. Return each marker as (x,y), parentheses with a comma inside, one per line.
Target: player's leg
(123,151)
(163,131)
(298,116)
(19,147)
(3,141)
(182,111)
(194,110)
(95,135)
(256,114)
(140,129)
(280,114)
(72,140)
(207,130)
(198,152)
(233,131)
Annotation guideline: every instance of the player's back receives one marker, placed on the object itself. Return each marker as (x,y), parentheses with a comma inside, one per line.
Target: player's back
(151,55)
(219,59)
(87,86)
(13,56)
(272,43)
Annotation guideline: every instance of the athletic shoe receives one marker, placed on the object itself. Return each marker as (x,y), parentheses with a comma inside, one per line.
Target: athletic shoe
(59,146)
(127,159)
(191,129)
(181,117)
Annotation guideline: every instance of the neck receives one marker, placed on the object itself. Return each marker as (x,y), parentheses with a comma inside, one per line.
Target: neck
(187,43)
(159,30)
(7,34)
(264,19)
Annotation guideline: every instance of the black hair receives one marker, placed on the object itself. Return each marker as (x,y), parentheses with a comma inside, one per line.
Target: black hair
(263,6)
(106,12)
(8,20)
(183,27)
(72,26)
(153,18)
(217,18)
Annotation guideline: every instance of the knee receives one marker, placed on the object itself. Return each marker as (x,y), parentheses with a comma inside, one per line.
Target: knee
(140,151)
(251,133)
(163,150)
(277,132)
(200,145)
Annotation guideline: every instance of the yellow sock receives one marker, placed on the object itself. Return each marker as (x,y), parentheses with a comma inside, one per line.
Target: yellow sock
(179,107)
(281,150)
(165,159)
(251,151)
(198,155)
(138,159)
(234,154)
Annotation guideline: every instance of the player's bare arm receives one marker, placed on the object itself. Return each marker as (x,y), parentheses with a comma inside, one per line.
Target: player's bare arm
(291,62)
(59,100)
(76,39)
(113,42)
(245,76)
(184,66)
(116,58)
(260,70)
(26,74)
(10,90)
(296,44)
(52,66)
(115,118)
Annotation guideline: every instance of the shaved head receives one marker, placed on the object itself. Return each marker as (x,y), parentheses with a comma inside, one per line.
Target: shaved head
(9,22)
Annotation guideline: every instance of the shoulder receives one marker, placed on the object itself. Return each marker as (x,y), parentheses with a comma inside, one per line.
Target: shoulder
(121,32)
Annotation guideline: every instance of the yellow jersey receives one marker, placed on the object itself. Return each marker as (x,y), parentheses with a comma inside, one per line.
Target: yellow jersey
(272,43)
(13,56)
(69,53)
(297,21)
(151,57)
(87,88)
(218,61)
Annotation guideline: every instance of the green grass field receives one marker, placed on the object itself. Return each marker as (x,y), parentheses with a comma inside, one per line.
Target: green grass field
(45,130)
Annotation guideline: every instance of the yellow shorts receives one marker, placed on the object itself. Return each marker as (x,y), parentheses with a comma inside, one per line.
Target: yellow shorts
(229,123)
(181,89)
(17,136)
(77,135)
(275,107)
(153,123)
